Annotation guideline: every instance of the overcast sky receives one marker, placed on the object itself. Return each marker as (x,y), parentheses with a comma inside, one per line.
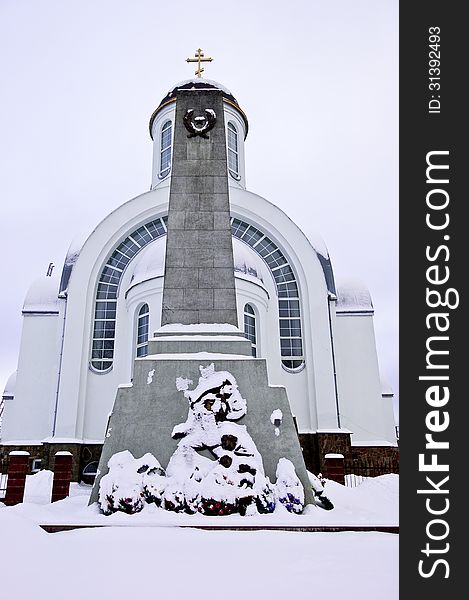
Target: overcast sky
(318,81)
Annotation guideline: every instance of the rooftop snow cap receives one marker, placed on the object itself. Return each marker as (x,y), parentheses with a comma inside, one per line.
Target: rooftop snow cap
(199,84)
(42,296)
(353,297)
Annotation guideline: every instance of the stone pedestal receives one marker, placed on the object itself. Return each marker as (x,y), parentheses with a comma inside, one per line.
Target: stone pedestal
(335,467)
(62,476)
(18,463)
(145,413)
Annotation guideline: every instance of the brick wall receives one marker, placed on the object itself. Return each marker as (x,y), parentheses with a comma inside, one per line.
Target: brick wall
(314,446)
(379,459)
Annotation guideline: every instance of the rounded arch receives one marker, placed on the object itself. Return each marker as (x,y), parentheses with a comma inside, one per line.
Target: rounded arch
(289,301)
(104,327)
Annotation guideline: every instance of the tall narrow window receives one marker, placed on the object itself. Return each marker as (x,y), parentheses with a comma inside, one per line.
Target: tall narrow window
(250,327)
(233,159)
(142,330)
(165,153)
(291,344)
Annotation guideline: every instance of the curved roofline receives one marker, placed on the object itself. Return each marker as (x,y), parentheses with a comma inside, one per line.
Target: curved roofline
(79,242)
(321,253)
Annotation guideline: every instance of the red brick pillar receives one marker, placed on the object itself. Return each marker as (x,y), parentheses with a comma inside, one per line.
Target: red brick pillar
(335,468)
(62,475)
(18,463)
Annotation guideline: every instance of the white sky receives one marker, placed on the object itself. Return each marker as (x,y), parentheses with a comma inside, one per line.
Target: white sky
(318,81)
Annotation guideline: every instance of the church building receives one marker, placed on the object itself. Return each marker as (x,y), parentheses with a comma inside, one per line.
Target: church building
(84,327)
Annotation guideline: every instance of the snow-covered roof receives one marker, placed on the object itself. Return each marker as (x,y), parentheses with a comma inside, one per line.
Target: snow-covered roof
(353,296)
(150,262)
(9,391)
(42,295)
(199,83)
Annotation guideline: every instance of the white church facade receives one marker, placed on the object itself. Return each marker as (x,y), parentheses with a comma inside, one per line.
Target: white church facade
(84,327)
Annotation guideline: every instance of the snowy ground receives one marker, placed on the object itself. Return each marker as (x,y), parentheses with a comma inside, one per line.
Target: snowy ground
(164,561)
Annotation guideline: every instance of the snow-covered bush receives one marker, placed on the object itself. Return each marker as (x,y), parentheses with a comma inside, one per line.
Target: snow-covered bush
(317,484)
(129,483)
(289,488)
(267,499)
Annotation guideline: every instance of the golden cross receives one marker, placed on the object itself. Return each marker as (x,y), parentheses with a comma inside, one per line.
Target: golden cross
(199,57)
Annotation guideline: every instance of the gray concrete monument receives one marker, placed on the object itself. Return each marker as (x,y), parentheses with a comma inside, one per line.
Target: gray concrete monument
(199,285)
(199,311)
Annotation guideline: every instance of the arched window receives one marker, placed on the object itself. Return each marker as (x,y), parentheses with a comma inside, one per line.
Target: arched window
(102,352)
(165,152)
(250,327)
(143,322)
(233,158)
(88,475)
(291,343)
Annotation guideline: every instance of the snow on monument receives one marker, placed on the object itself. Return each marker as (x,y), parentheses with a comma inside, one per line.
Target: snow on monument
(226,454)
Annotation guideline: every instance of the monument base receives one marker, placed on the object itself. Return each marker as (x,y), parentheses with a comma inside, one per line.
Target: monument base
(146,412)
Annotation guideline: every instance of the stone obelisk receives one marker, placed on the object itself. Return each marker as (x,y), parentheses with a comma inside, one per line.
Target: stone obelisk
(199,315)
(199,284)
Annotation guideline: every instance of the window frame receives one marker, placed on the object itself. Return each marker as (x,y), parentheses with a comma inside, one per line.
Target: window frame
(231,128)
(140,316)
(123,253)
(164,172)
(120,257)
(34,465)
(253,338)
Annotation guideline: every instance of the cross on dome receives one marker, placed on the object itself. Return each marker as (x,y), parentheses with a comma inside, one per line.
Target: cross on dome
(199,58)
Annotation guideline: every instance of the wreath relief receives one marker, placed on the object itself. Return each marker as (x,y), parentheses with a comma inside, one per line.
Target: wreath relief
(199,125)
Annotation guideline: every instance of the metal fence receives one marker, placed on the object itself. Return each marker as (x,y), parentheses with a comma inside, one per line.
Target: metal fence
(3,485)
(359,470)
(3,476)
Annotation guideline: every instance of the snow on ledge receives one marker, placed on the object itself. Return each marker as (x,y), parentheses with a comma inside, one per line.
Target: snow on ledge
(374,443)
(332,455)
(21,443)
(199,338)
(353,296)
(199,328)
(332,430)
(196,356)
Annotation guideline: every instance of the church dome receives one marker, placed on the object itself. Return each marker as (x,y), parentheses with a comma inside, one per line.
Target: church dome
(42,295)
(198,83)
(150,262)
